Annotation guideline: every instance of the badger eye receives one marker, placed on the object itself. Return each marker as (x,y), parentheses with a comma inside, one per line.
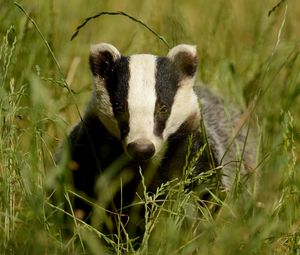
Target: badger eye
(163,109)
(118,107)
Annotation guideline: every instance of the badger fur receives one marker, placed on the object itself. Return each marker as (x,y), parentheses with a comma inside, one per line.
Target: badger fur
(142,113)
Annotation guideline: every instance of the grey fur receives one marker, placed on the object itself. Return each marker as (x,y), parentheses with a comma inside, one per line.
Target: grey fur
(230,146)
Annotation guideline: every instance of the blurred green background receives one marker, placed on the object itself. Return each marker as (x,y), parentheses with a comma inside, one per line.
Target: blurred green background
(246,56)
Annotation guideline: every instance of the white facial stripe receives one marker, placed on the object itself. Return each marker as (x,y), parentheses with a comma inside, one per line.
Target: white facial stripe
(142,98)
(185,103)
(104,108)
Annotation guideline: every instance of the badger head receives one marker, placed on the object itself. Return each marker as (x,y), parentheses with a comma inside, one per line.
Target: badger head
(144,99)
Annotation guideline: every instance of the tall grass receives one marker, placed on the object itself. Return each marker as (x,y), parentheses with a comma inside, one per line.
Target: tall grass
(248,57)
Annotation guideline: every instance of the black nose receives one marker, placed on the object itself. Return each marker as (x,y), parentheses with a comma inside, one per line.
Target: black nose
(141,149)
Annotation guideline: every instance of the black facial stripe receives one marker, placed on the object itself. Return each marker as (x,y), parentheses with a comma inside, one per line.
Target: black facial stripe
(167,81)
(117,84)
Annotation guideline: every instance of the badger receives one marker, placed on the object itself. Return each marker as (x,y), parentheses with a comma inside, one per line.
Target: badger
(143,118)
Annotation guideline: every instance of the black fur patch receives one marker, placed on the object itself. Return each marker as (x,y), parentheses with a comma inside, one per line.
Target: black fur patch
(186,64)
(167,82)
(101,63)
(93,149)
(117,86)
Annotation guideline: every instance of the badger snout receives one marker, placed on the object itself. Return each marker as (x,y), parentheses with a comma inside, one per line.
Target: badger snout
(141,149)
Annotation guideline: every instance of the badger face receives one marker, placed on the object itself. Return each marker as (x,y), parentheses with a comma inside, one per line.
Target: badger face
(144,99)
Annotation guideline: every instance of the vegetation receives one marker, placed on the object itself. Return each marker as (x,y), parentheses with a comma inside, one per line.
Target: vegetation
(247,54)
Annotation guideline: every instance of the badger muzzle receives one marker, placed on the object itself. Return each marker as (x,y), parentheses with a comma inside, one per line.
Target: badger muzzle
(141,149)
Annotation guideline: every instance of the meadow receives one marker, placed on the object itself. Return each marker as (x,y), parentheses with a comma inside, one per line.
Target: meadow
(249,55)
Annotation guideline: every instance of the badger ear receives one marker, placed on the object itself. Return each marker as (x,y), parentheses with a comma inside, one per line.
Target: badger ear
(102,57)
(185,59)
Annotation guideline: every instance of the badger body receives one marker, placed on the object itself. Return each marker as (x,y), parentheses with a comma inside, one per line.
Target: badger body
(144,119)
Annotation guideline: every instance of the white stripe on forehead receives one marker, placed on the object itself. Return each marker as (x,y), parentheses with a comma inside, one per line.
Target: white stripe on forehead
(141,97)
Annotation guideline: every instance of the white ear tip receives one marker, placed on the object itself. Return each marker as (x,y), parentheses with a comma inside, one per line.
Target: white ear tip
(102,47)
(192,49)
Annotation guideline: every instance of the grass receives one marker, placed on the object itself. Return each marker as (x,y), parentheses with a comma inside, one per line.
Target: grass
(248,57)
